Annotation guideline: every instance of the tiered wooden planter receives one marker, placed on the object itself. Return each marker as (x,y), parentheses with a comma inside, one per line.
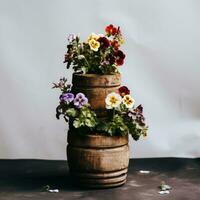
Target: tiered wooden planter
(96,88)
(97,161)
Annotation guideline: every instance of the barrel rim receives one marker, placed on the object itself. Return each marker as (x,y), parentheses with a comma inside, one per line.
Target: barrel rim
(94,75)
(96,141)
(98,135)
(96,80)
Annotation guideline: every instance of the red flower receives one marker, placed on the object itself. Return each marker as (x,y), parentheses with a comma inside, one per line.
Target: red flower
(115,44)
(119,56)
(104,42)
(111,30)
(123,90)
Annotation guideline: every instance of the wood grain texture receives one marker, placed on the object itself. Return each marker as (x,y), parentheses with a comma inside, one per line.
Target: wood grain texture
(96,140)
(95,80)
(97,161)
(100,161)
(96,88)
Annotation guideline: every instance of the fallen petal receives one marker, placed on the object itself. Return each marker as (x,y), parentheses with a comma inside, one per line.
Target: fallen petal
(144,172)
(55,190)
(164,192)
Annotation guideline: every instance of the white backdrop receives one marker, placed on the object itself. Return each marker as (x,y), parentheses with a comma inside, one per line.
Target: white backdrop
(162,70)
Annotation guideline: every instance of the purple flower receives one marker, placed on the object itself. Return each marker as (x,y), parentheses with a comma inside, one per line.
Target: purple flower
(80,100)
(71,37)
(67,97)
(137,115)
(132,115)
(61,84)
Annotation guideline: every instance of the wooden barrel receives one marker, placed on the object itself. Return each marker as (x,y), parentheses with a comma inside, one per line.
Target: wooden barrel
(96,88)
(97,161)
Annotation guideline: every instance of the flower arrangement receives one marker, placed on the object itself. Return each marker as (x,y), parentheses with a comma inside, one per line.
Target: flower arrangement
(75,108)
(122,118)
(99,54)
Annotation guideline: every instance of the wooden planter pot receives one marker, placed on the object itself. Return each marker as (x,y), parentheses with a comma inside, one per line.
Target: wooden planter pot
(96,88)
(94,160)
(97,161)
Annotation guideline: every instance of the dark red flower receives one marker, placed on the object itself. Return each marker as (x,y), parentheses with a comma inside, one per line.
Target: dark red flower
(104,42)
(110,59)
(111,30)
(119,57)
(119,62)
(123,90)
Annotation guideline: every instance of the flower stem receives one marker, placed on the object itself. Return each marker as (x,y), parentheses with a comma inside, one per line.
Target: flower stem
(87,62)
(113,113)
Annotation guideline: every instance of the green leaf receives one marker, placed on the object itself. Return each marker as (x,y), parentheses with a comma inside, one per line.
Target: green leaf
(77,123)
(71,112)
(89,123)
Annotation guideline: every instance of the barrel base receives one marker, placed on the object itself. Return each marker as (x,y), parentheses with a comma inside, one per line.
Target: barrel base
(98,161)
(101,186)
(100,180)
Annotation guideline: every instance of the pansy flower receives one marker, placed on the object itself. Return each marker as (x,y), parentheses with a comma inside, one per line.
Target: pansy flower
(123,90)
(93,36)
(94,45)
(137,115)
(120,56)
(115,44)
(80,100)
(128,101)
(67,97)
(111,30)
(104,42)
(71,38)
(113,100)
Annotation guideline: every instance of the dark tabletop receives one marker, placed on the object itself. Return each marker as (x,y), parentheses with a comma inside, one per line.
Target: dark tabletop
(26,179)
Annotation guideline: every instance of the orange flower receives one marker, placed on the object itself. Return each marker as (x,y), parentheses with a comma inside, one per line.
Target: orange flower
(115,44)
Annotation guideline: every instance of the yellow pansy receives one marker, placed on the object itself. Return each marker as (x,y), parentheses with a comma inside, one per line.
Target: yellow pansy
(94,45)
(113,100)
(128,101)
(92,36)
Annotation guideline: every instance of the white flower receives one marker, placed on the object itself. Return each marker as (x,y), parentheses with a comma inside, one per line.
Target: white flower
(113,100)
(128,101)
